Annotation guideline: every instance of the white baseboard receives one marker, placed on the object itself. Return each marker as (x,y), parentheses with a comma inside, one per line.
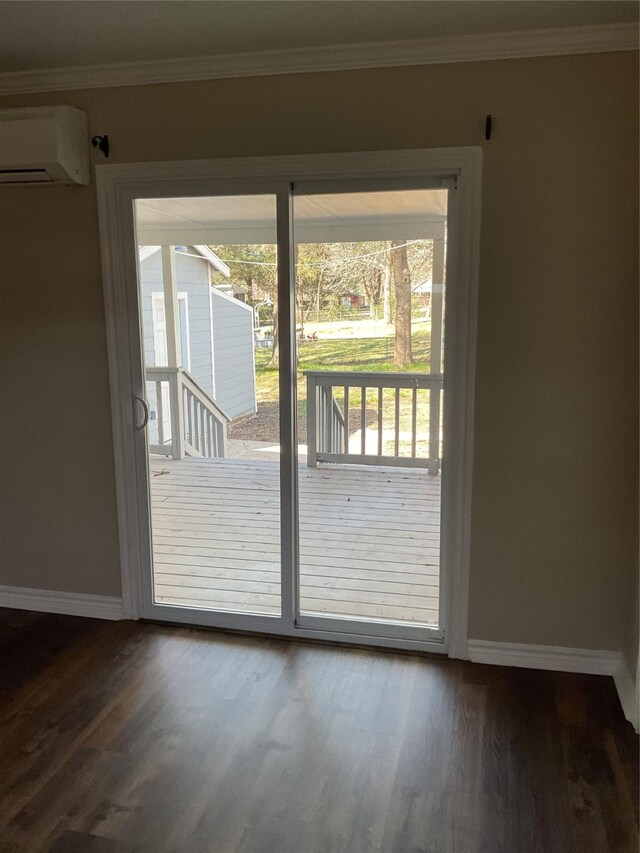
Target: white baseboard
(67,603)
(559,659)
(554,658)
(629,692)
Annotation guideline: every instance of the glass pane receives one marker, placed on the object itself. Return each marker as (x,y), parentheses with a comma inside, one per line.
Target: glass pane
(370,279)
(208,297)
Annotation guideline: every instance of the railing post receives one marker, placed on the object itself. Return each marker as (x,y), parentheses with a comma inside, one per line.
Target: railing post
(312,438)
(222,438)
(324,436)
(159,413)
(434,429)
(177,417)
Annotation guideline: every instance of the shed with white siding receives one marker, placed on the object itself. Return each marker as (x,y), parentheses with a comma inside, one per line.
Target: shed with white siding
(216,330)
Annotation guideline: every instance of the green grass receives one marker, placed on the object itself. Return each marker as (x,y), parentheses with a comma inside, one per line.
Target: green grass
(353,355)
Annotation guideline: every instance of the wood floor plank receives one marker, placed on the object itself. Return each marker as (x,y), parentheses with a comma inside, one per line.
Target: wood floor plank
(356,579)
(270,532)
(309,556)
(250,591)
(138,738)
(331,527)
(272,544)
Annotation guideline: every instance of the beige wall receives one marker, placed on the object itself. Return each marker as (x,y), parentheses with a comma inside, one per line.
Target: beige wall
(556,429)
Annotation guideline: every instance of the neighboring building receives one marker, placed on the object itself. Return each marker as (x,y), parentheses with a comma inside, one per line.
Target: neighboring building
(354,300)
(216,330)
(231,289)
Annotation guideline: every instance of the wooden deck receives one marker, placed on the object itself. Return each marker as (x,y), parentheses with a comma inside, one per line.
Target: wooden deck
(369,538)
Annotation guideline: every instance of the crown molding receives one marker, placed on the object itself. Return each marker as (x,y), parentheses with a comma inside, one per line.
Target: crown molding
(431,51)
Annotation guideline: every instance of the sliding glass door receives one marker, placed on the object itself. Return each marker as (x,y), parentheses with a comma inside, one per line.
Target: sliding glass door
(370,279)
(213,434)
(292,417)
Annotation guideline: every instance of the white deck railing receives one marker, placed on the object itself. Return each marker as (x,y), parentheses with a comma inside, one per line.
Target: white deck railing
(378,443)
(194,424)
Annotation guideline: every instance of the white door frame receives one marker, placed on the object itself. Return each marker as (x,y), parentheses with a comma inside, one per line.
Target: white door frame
(119,185)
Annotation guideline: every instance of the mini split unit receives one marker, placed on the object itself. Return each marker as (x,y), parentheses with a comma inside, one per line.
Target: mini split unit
(44,145)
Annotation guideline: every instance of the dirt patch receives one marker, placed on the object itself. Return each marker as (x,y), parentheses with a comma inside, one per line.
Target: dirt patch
(263,426)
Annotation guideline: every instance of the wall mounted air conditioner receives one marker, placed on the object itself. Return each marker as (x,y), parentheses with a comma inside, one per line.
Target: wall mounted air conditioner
(44,145)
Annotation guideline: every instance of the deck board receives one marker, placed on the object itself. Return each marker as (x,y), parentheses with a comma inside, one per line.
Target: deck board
(369,538)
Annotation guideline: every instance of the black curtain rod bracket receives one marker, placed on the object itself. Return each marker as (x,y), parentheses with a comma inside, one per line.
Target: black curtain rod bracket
(102,143)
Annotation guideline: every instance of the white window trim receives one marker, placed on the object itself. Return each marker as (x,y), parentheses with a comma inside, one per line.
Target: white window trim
(119,185)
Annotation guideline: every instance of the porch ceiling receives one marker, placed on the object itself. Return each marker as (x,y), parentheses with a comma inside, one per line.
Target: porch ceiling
(344,217)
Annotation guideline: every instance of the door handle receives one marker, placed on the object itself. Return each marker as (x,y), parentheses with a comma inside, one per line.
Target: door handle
(145,409)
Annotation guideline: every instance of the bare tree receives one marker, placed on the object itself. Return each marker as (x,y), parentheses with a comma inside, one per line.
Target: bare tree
(386,292)
(401,276)
(372,284)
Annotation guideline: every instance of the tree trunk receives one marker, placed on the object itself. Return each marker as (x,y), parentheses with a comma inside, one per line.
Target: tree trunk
(386,292)
(275,354)
(402,286)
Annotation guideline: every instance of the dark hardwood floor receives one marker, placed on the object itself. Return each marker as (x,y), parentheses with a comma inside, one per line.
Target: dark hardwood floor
(117,736)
